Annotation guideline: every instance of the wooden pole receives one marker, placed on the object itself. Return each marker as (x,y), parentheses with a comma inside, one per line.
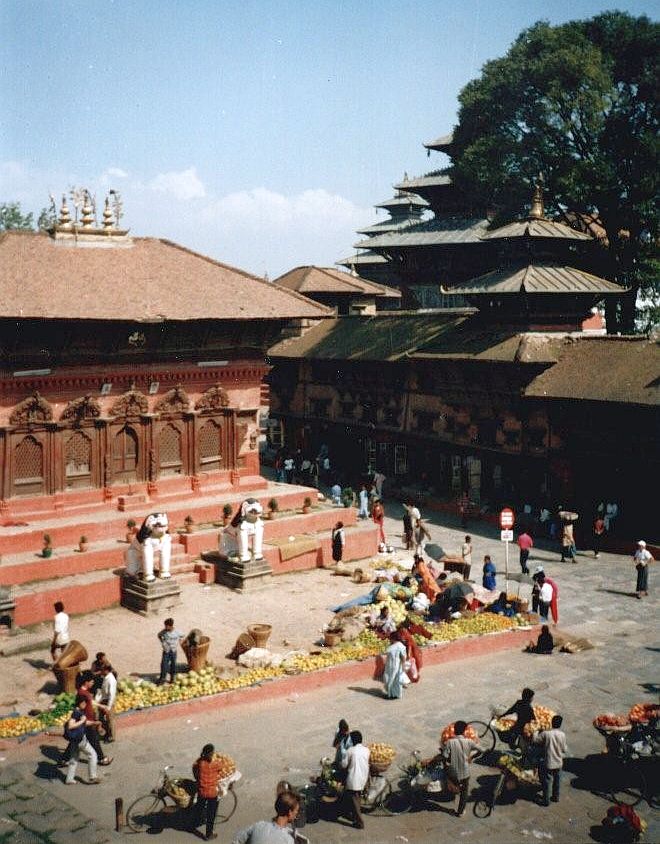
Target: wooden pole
(119,814)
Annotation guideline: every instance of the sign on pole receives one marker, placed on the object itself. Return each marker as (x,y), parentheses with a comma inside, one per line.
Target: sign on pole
(507,518)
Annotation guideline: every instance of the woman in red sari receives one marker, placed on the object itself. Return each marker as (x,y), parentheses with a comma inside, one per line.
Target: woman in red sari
(428,585)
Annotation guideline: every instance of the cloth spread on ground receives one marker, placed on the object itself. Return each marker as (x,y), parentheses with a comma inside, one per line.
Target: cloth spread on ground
(290,548)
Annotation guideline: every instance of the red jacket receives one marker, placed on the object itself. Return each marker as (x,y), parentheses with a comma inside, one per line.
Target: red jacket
(207,774)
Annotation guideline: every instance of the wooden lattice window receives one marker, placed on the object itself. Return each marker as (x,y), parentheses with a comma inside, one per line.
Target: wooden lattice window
(209,445)
(28,466)
(77,459)
(170,450)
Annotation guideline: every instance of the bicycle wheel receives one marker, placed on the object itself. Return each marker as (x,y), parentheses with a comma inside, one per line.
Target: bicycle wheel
(484,807)
(143,813)
(395,802)
(226,806)
(487,737)
(628,785)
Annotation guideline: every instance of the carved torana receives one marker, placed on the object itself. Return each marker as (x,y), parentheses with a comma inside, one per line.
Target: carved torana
(214,399)
(174,401)
(86,407)
(131,404)
(33,410)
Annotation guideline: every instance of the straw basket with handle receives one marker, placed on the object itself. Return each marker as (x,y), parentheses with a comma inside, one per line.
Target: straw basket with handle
(332,637)
(196,654)
(260,632)
(73,654)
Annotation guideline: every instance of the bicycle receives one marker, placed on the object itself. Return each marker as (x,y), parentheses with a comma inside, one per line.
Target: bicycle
(628,751)
(147,811)
(377,796)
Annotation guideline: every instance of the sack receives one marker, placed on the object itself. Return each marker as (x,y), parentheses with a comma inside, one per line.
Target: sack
(74,735)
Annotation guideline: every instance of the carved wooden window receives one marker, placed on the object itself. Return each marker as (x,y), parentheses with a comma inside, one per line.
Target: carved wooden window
(170,451)
(209,445)
(77,460)
(125,454)
(28,466)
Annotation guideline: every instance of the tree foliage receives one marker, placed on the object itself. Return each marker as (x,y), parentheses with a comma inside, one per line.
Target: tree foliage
(12,217)
(578,103)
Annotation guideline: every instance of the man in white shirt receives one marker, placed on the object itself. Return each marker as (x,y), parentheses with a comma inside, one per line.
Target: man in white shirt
(545,596)
(106,697)
(554,747)
(60,630)
(356,763)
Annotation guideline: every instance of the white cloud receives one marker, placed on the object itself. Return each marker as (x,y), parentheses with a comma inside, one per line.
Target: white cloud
(116,172)
(183,185)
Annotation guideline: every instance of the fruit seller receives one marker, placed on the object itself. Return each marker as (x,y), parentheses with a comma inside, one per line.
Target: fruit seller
(169,639)
(280,829)
(524,713)
(206,771)
(356,763)
(459,752)
(553,744)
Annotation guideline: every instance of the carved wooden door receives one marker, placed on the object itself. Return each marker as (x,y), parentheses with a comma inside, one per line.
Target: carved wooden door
(125,455)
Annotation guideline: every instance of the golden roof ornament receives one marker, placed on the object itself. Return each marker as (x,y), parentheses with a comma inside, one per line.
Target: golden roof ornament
(64,221)
(537,211)
(87,218)
(108,216)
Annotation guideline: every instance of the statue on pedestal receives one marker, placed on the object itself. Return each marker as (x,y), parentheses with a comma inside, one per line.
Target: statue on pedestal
(246,523)
(152,538)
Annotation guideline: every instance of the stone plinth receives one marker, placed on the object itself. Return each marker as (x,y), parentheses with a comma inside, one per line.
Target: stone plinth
(243,577)
(149,598)
(7,607)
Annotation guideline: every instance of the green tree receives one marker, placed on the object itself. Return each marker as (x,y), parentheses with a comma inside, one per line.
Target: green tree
(579,104)
(12,217)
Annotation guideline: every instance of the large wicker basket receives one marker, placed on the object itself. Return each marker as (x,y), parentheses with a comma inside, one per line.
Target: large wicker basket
(260,633)
(379,767)
(196,654)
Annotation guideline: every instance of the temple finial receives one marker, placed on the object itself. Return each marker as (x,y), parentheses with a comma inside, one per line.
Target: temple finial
(537,211)
(64,221)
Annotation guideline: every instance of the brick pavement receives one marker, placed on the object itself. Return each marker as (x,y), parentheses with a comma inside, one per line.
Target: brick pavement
(285,738)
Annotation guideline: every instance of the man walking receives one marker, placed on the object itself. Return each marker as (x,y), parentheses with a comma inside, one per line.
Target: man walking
(356,763)
(553,744)
(105,698)
(525,543)
(459,752)
(169,640)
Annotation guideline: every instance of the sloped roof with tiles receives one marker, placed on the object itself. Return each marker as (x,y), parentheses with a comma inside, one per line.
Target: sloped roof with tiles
(309,280)
(133,279)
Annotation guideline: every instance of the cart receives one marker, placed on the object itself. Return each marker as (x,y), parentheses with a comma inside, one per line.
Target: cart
(512,780)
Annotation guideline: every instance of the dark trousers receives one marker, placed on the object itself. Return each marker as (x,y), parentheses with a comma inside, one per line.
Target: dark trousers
(548,775)
(351,806)
(544,608)
(524,556)
(464,786)
(167,666)
(207,808)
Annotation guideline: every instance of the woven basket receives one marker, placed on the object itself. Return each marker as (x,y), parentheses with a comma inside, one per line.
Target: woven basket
(332,637)
(379,767)
(260,633)
(196,654)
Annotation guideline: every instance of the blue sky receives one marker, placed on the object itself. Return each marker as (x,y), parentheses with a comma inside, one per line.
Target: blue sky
(258,132)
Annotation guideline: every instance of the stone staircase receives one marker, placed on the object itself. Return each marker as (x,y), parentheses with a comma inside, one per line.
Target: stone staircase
(91,580)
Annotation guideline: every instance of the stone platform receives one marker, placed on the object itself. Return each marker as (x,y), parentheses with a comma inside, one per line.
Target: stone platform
(149,598)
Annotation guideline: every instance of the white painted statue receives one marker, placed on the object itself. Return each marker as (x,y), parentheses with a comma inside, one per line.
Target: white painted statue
(246,523)
(152,538)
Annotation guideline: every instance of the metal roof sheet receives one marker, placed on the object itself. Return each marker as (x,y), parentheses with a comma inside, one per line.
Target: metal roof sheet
(423,182)
(536,228)
(439,231)
(406,201)
(537,278)
(365,257)
(442,141)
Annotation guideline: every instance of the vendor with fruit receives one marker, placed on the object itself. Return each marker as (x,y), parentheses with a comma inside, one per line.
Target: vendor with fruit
(458,752)
(524,713)
(207,771)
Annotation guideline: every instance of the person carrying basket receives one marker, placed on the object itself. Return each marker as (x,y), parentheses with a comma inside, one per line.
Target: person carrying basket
(207,771)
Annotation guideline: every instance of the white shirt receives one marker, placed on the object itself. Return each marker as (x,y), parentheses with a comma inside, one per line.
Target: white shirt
(61,628)
(108,690)
(642,555)
(545,594)
(357,763)
(415,514)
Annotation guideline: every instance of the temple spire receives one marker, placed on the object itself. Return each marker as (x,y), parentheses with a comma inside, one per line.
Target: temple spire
(65,218)
(537,211)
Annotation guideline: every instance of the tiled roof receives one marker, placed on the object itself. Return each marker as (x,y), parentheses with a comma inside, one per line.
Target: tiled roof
(604,369)
(309,280)
(423,182)
(441,230)
(459,334)
(365,257)
(537,278)
(141,279)
(441,142)
(404,201)
(536,228)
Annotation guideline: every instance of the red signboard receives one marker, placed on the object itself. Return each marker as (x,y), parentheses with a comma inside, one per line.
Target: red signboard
(506,518)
